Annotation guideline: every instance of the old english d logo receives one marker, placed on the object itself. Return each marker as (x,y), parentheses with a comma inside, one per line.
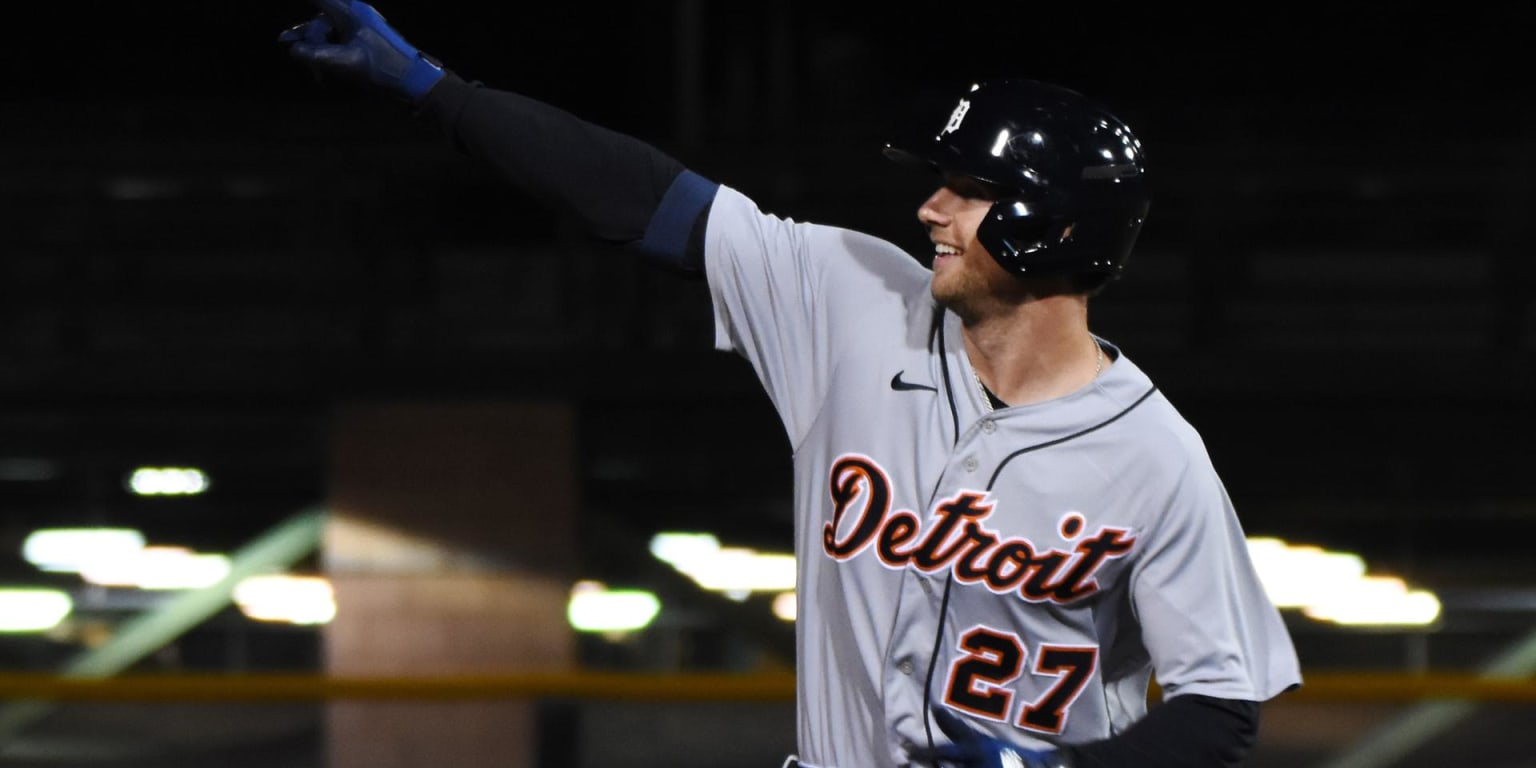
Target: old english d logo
(956,117)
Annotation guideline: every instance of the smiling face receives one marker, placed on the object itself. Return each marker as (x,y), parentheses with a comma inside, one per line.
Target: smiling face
(966,278)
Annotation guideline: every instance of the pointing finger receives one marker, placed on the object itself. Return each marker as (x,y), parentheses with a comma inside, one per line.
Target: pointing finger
(339,12)
(313,31)
(317,30)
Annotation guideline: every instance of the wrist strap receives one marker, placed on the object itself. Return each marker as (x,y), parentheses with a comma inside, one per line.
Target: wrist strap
(422,75)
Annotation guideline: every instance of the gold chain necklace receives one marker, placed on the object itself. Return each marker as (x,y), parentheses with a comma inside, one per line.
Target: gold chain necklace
(986,394)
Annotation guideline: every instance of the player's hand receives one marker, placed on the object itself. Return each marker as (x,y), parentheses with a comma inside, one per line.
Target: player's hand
(350,41)
(970,748)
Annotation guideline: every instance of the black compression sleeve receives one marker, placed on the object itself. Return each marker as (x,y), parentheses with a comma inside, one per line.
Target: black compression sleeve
(1188,730)
(611,183)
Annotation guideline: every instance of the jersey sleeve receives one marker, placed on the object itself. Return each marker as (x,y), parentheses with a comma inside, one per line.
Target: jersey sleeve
(788,295)
(1206,619)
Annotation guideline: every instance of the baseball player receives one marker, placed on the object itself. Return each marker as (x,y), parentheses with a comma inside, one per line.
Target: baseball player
(1004,532)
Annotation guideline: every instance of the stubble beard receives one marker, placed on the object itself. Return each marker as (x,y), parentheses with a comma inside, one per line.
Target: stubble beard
(957,293)
(973,293)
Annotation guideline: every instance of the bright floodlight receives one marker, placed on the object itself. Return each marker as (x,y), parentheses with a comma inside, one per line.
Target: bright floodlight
(1334,586)
(168,481)
(1295,576)
(32,610)
(674,548)
(595,608)
(158,568)
(68,549)
(735,571)
(286,599)
(784,606)
(1377,601)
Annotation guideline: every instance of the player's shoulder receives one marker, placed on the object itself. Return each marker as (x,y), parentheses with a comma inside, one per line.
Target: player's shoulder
(1152,425)
(858,255)
(840,252)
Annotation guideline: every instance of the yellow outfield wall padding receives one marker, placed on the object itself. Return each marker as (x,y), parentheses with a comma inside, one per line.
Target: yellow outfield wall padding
(1340,686)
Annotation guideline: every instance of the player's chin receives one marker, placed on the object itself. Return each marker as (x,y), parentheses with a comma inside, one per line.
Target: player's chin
(946,270)
(962,292)
(947,290)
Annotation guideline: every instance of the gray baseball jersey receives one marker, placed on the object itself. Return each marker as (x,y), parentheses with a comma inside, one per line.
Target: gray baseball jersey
(1033,567)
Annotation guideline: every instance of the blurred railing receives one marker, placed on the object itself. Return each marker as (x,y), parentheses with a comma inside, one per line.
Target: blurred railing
(618,720)
(237,688)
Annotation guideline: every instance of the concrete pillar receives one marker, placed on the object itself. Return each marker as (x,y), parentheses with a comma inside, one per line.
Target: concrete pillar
(451,548)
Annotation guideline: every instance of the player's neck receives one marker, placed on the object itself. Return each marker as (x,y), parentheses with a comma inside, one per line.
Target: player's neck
(1036,351)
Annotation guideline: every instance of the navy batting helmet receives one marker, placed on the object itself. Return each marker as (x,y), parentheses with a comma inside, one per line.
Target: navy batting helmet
(1071,174)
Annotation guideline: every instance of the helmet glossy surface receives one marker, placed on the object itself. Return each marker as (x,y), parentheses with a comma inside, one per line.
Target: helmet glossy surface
(1072,175)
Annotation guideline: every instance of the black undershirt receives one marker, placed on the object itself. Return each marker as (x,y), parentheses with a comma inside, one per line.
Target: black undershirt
(997,402)
(612,184)
(1188,730)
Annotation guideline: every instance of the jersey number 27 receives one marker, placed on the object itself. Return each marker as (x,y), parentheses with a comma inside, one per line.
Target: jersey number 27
(991,660)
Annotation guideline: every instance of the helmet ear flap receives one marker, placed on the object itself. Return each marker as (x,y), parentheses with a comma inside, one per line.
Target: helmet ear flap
(1021,237)
(1030,239)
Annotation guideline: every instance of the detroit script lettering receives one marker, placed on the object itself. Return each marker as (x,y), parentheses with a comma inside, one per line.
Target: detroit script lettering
(956,539)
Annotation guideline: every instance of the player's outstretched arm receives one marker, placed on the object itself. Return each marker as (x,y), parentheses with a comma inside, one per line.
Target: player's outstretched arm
(622,190)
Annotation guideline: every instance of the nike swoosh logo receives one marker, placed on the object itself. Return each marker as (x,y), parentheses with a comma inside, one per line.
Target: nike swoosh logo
(907,386)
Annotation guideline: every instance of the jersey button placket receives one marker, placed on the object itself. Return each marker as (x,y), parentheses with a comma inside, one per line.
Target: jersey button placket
(970,463)
(989,426)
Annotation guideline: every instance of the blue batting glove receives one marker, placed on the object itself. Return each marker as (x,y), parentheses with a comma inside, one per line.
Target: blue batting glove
(350,40)
(970,748)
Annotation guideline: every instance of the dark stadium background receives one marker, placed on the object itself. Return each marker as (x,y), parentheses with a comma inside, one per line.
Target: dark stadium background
(204,252)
